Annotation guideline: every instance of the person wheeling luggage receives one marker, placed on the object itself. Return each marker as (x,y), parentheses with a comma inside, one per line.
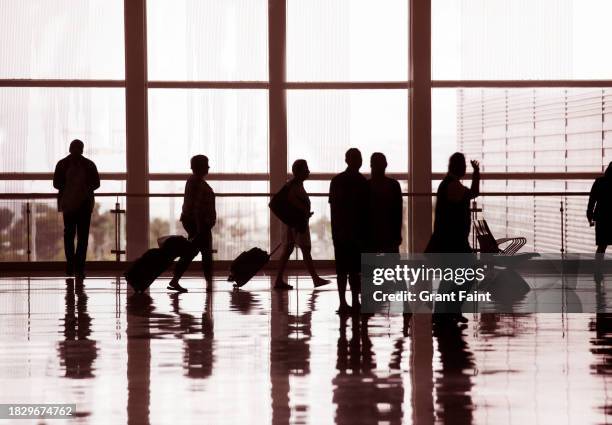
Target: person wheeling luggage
(348,200)
(76,178)
(198,218)
(298,235)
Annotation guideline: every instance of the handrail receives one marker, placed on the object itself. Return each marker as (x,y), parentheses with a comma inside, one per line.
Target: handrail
(268,194)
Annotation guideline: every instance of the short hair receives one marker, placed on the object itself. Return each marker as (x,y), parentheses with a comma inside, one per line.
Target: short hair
(608,172)
(198,161)
(298,165)
(455,161)
(351,152)
(76,146)
(379,157)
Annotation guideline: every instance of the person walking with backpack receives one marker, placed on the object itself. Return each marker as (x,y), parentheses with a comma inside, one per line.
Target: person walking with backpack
(76,178)
(298,204)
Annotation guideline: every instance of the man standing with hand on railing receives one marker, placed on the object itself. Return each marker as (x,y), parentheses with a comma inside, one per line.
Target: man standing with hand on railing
(198,217)
(76,178)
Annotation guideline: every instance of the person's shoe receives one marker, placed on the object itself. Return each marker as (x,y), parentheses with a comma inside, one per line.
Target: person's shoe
(80,274)
(69,271)
(344,310)
(318,282)
(282,286)
(174,286)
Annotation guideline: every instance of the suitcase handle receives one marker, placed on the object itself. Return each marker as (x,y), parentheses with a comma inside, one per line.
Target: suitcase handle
(275,249)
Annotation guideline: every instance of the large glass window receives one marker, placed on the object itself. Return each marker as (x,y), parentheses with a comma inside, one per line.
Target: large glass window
(521,39)
(207,40)
(62,39)
(323,124)
(37,125)
(524,129)
(347,40)
(229,126)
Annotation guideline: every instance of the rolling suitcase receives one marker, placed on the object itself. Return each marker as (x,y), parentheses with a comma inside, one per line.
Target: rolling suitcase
(247,264)
(143,272)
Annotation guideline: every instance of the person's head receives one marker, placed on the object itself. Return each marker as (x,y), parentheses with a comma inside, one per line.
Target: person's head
(608,172)
(456,164)
(378,164)
(353,159)
(199,165)
(76,147)
(300,169)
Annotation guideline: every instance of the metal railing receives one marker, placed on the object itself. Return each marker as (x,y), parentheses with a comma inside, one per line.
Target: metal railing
(490,205)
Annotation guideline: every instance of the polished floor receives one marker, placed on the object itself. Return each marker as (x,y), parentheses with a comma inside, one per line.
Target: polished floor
(257,356)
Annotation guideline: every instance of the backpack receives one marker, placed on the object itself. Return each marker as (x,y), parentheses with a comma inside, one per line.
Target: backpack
(287,213)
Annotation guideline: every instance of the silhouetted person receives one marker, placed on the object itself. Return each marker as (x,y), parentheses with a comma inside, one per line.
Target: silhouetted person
(599,213)
(76,178)
(198,217)
(299,200)
(385,208)
(452,220)
(348,199)
(452,225)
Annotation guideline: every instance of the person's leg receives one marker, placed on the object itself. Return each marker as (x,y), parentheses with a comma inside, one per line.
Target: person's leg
(207,258)
(316,279)
(599,257)
(289,240)
(70,225)
(183,263)
(341,278)
(83,222)
(354,279)
(279,282)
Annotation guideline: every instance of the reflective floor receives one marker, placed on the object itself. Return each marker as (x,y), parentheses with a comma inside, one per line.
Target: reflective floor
(256,356)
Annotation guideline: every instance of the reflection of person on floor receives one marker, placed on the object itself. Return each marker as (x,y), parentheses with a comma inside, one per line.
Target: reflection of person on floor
(290,335)
(385,208)
(599,214)
(198,217)
(348,200)
(299,200)
(354,386)
(198,357)
(76,178)
(454,384)
(77,352)
(452,224)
